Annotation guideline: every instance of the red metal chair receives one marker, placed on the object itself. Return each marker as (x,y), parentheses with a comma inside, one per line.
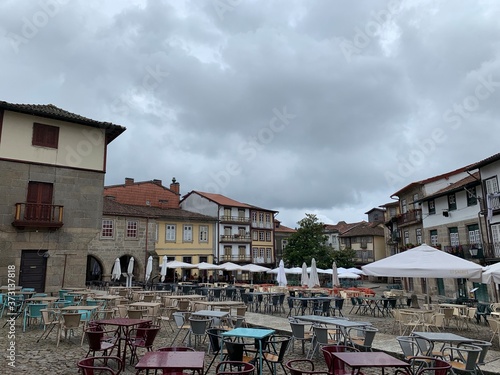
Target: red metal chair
(101,365)
(98,342)
(142,338)
(243,368)
(335,366)
(302,367)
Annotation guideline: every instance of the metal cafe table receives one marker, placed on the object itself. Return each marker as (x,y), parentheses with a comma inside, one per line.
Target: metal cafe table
(443,337)
(172,362)
(342,324)
(359,360)
(252,333)
(123,327)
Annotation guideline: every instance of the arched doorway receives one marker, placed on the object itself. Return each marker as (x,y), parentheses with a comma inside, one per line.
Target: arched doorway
(94,271)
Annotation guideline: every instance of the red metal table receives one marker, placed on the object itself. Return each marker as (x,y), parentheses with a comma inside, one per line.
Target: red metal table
(123,327)
(358,360)
(172,361)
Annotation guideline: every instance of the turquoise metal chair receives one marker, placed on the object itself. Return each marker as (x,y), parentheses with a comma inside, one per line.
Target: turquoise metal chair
(33,311)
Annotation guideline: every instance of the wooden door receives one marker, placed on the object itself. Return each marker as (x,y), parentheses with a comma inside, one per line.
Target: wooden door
(33,270)
(39,201)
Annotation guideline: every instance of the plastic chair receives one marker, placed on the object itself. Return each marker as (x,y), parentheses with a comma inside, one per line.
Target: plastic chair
(277,346)
(69,322)
(97,342)
(299,333)
(241,368)
(302,367)
(142,338)
(33,311)
(363,338)
(101,365)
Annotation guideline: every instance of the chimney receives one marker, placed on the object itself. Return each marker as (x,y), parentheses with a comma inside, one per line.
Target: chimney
(129,181)
(174,186)
(157,182)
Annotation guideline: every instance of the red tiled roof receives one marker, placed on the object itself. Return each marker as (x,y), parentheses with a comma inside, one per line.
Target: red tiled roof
(364,229)
(471,180)
(432,179)
(56,113)
(112,207)
(220,199)
(284,229)
(482,163)
(342,226)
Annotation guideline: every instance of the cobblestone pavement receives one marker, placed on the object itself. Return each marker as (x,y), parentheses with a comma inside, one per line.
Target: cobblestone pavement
(45,358)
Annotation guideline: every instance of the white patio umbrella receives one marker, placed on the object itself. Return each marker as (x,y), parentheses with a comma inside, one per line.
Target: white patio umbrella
(304,280)
(424,261)
(313,276)
(130,272)
(356,271)
(164,267)
(177,264)
(206,266)
(228,266)
(149,268)
(294,270)
(254,268)
(335,275)
(117,270)
(281,277)
(349,275)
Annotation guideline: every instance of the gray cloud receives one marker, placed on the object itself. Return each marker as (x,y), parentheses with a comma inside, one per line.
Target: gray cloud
(261,100)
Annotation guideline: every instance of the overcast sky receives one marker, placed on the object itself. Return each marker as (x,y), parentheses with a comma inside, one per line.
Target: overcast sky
(324,107)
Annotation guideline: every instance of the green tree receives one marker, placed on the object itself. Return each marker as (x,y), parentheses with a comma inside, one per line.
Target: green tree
(308,242)
(344,258)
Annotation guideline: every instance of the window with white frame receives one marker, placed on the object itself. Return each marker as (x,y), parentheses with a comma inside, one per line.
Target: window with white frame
(107,229)
(454,240)
(434,237)
(268,255)
(187,231)
(471,196)
(255,235)
(268,236)
(418,234)
(131,231)
(452,202)
(404,208)
(156,232)
(261,217)
(407,237)
(261,236)
(495,236)
(492,188)
(170,232)
(203,233)
(255,252)
(474,235)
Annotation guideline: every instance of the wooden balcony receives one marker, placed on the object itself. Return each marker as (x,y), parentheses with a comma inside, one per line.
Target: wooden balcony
(410,217)
(33,215)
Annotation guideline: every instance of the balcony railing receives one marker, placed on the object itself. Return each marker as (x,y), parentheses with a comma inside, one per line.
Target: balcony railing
(410,217)
(261,224)
(235,238)
(37,215)
(234,219)
(235,258)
